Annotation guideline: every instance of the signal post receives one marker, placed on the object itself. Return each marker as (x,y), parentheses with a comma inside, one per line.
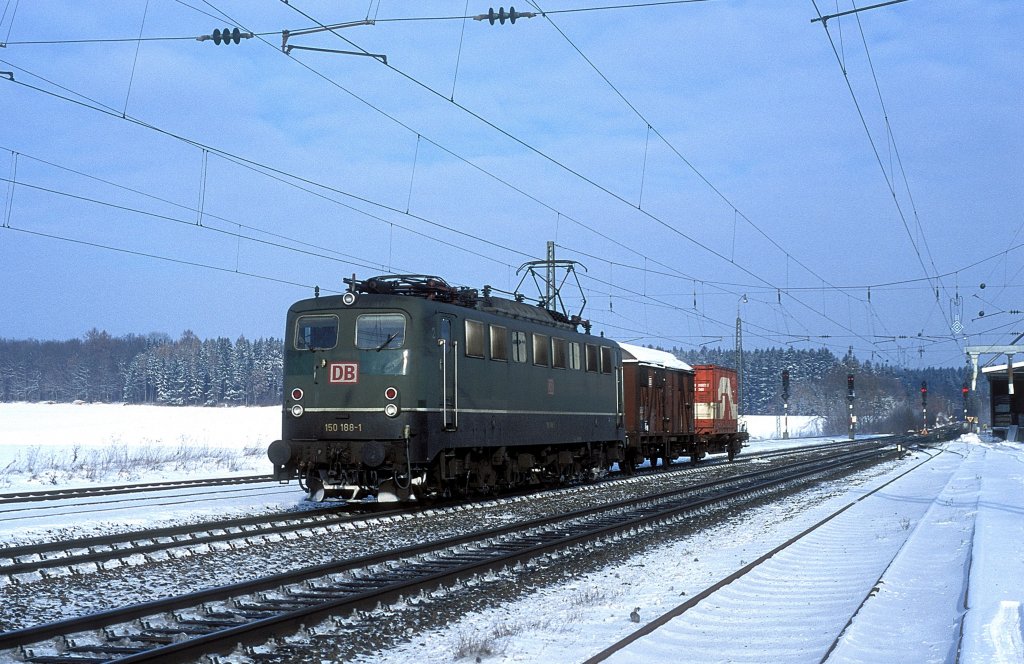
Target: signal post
(785,404)
(850,394)
(924,406)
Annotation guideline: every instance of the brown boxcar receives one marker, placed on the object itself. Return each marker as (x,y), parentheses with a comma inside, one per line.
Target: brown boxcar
(658,403)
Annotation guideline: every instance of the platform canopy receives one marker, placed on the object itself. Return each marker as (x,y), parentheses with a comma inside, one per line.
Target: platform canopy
(652,357)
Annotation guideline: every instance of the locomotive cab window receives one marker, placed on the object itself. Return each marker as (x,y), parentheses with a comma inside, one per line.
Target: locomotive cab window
(316,332)
(380,331)
(592,358)
(559,353)
(499,343)
(474,338)
(606,359)
(541,350)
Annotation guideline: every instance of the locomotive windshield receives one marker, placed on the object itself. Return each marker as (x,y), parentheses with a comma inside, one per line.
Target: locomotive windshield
(380,331)
(316,332)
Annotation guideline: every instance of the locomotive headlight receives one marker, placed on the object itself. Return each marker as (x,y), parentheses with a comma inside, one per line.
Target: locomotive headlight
(391,410)
(348,299)
(297,410)
(297,394)
(391,394)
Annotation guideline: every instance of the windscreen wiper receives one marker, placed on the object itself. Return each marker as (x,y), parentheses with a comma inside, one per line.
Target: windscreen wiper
(387,341)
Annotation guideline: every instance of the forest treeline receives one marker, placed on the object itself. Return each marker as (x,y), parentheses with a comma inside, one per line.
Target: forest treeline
(152,369)
(157,369)
(888,398)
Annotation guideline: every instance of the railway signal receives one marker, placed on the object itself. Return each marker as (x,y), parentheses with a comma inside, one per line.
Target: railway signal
(924,404)
(965,391)
(785,403)
(850,394)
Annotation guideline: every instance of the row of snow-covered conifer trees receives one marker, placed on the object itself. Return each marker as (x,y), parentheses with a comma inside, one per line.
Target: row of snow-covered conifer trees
(143,369)
(191,371)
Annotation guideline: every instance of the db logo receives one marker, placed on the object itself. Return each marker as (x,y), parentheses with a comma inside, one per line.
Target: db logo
(344,372)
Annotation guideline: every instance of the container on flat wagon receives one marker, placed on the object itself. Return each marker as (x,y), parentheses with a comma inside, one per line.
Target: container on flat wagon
(715,404)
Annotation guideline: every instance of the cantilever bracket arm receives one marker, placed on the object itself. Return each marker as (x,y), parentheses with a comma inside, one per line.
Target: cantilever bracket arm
(288,48)
(379,56)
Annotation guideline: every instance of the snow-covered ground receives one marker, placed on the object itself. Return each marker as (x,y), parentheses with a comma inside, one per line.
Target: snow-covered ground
(950,526)
(66,446)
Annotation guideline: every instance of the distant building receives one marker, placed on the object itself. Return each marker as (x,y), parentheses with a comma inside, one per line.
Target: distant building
(1006,408)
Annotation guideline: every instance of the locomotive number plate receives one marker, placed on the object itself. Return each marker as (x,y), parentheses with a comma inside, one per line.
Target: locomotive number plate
(342,427)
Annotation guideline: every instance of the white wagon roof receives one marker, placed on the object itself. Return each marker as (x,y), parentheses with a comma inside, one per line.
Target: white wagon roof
(657,358)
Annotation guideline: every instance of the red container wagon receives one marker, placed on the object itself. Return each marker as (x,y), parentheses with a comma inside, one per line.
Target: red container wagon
(717,409)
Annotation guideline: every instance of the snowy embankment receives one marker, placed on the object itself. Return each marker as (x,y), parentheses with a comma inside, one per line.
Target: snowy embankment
(948,528)
(772,427)
(70,445)
(67,445)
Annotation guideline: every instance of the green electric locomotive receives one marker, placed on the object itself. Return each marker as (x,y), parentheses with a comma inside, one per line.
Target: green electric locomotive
(405,386)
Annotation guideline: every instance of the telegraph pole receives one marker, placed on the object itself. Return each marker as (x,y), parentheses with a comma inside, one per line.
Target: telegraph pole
(739,355)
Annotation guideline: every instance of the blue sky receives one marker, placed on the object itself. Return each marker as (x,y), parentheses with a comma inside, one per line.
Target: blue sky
(686,154)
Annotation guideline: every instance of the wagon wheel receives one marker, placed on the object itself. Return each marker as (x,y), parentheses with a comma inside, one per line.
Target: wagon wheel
(629,463)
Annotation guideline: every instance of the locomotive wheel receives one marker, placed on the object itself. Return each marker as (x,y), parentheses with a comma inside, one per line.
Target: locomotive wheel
(732,452)
(314,489)
(390,488)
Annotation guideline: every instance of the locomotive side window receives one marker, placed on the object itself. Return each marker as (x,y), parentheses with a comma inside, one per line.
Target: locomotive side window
(574,355)
(559,353)
(592,358)
(541,350)
(499,343)
(518,346)
(316,332)
(474,338)
(606,360)
(380,331)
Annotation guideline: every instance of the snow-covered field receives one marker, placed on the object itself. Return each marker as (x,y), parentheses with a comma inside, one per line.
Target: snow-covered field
(952,526)
(67,446)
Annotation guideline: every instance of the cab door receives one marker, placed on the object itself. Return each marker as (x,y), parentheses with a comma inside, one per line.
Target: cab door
(449,347)
(316,340)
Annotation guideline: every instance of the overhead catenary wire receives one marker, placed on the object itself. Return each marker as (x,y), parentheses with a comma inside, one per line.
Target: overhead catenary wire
(559,214)
(540,153)
(871,140)
(79,101)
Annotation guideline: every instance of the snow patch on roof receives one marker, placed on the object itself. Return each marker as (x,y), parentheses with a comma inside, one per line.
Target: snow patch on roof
(658,358)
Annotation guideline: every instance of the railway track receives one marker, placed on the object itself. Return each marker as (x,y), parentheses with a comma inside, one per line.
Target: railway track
(51,558)
(843,571)
(93,492)
(26,563)
(215,620)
